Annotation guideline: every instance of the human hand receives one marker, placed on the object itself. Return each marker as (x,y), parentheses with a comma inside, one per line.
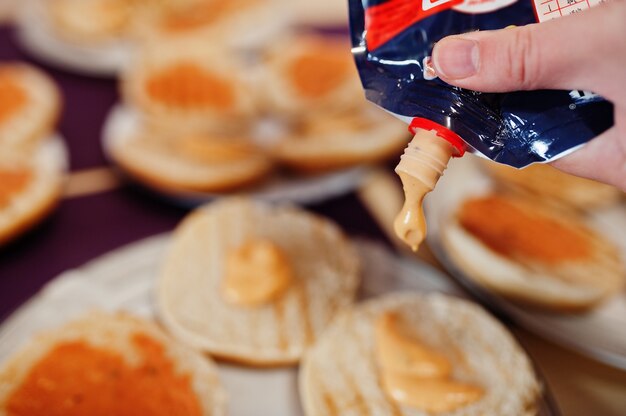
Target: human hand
(585,51)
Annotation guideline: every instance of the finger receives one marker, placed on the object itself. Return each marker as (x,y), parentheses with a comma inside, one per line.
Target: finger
(602,159)
(559,54)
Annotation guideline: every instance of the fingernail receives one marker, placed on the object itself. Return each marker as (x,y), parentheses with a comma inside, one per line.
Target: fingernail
(456,58)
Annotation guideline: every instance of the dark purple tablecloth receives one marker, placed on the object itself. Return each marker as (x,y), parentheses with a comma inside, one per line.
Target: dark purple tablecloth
(84,228)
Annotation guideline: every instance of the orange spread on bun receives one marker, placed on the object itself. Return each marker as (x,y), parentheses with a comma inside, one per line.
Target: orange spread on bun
(188,85)
(13,182)
(76,378)
(514,230)
(13,96)
(319,72)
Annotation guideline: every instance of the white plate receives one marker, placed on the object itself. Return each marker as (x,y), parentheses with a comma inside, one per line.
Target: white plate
(122,123)
(35,33)
(53,150)
(599,334)
(124,280)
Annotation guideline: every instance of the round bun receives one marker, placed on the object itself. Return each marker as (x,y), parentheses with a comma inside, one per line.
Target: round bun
(185,86)
(232,23)
(308,73)
(321,13)
(39,106)
(165,163)
(339,375)
(332,141)
(22,210)
(115,333)
(552,185)
(89,22)
(192,307)
(575,282)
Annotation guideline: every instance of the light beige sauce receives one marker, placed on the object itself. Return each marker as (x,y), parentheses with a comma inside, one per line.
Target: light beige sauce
(421,166)
(256,273)
(401,354)
(415,375)
(430,395)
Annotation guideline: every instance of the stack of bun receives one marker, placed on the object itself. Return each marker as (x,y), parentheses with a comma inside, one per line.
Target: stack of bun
(531,238)
(202,114)
(31,165)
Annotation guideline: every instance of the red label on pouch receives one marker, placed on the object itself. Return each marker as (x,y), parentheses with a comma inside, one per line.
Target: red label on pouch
(386,20)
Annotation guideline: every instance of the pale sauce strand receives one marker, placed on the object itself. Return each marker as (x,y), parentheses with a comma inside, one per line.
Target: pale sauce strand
(420,167)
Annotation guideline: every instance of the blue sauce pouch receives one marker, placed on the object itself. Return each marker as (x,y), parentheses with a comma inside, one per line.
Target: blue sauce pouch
(392,44)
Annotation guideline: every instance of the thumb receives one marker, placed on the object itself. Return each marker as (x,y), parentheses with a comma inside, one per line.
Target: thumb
(564,53)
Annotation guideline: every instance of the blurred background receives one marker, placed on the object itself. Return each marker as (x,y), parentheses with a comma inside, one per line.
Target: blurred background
(150,108)
(105,202)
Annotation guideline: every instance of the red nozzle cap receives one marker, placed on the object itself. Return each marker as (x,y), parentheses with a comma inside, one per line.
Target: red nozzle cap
(446,134)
